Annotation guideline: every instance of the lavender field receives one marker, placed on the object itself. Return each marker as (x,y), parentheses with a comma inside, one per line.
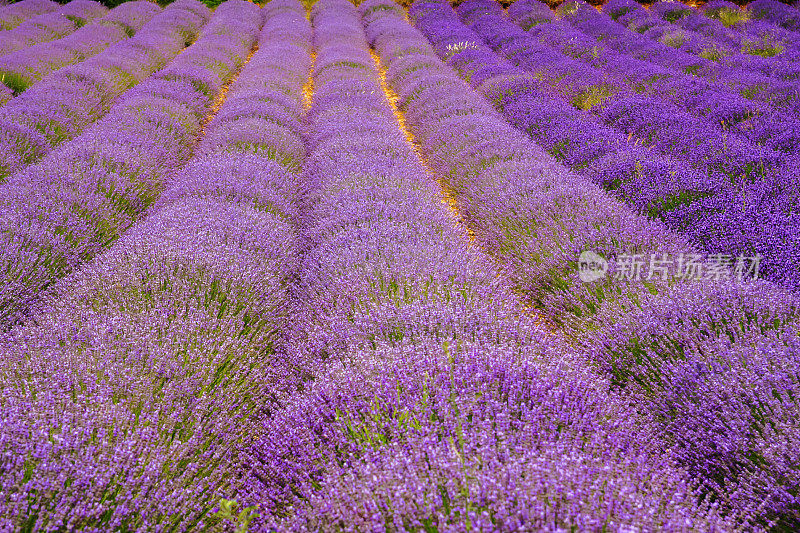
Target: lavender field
(325,266)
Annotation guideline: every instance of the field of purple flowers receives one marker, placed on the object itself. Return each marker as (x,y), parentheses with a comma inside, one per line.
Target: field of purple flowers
(324,266)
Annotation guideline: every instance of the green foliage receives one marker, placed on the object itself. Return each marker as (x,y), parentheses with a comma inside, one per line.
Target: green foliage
(730,17)
(692,69)
(712,54)
(674,39)
(15,81)
(762,47)
(676,15)
(593,96)
(227,513)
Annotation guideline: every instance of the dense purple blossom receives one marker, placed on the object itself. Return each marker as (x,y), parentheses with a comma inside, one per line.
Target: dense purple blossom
(528,13)
(763,78)
(65,209)
(776,12)
(13,15)
(426,412)
(436,437)
(66,102)
(279,270)
(515,195)
(655,69)
(727,21)
(757,488)
(6,94)
(50,26)
(737,202)
(21,69)
(154,362)
(729,350)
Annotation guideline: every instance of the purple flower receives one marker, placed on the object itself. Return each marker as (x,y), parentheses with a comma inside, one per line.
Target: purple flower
(154,363)
(21,69)
(13,15)
(81,197)
(66,102)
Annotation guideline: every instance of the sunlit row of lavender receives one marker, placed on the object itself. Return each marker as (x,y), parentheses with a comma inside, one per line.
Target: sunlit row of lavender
(316,265)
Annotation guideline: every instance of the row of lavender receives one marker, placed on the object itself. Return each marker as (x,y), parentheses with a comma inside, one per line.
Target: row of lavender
(129,400)
(728,23)
(15,14)
(21,69)
(633,64)
(715,30)
(435,404)
(426,381)
(33,21)
(775,89)
(62,105)
(695,348)
(449,295)
(776,12)
(729,195)
(71,205)
(671,25)
(50,26)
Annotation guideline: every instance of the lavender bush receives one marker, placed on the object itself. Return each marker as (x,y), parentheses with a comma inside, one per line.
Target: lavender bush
(776,12)
(433,438)
(513,194)
(740,197)
(13,15)
(424,424)
(82,196)
(652,71)
(720,17)
(767,79)
(51,26)
(155,361)
(274,269)
(726,351)
(21,69)
(66,102)
(743,484)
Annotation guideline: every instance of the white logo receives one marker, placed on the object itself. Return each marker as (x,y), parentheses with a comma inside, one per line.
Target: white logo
(591,267)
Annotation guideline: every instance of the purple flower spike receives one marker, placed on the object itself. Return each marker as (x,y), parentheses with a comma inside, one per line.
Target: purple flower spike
(68,101)
(13,15)
(156,362)
(67,208)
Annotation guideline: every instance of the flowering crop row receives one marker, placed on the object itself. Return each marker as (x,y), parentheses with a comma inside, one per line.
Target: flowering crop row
(21,69)
(776,12)
(81,197)
(726,22)
(592,87)
(733,197)
(432,408)
(385,261)
(15,14)
(66,102)
(729,84)
(346,290)
(525,207)
(655,185)
(718,49)
(51,26)
(128,398)
(690,350)
(625,74)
